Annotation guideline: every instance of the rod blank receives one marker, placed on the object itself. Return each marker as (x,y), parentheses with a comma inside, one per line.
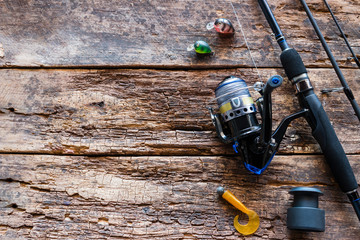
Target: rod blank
(343,34)
(343,82)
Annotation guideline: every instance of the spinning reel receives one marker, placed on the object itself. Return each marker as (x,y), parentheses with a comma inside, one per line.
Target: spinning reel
(237,123)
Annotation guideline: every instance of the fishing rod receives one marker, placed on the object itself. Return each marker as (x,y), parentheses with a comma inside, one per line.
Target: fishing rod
(341,77)
(342,34)
(316,117)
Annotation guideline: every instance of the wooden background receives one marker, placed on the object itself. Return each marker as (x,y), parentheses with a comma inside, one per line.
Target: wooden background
(105,132)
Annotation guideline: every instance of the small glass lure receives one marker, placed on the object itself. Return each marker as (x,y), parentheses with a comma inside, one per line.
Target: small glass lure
(200,47)
(222,26)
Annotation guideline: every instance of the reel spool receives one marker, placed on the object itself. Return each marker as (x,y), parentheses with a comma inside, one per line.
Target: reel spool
(237,107)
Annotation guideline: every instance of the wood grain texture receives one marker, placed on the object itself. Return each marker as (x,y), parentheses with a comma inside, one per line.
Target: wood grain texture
(157,33)
(146,112)
(159,197)
(105,134)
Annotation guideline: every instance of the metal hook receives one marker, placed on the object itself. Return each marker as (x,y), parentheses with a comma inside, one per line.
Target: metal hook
(254,220)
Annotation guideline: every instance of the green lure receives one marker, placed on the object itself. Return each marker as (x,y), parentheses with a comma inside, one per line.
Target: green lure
(202,47)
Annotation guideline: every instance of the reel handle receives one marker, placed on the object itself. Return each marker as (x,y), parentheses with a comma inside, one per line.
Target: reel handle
(266,113)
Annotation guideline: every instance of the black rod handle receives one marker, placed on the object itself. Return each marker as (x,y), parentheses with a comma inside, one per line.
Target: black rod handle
(322,129)
(319,122)
(325,135)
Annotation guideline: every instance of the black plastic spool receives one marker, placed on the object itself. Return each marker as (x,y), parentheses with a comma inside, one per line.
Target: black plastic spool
(305,214)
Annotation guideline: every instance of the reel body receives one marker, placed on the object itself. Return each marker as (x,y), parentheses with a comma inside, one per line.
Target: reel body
(237,123)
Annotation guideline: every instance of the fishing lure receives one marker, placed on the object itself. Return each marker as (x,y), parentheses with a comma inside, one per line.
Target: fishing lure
(254,220)
(222,26)
(200,47)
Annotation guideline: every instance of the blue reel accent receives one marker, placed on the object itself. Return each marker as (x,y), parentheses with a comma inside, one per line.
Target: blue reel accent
(256,170)
(235,145)
(275,80)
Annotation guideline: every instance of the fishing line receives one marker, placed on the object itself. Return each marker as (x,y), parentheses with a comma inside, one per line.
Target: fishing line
(257,86)
(246,42)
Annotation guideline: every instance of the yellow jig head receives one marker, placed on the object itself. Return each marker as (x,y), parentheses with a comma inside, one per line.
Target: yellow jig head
(254,220)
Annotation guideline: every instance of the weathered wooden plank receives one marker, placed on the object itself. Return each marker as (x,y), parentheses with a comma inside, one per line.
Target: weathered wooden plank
(159,197)
(156,33)
(146,112)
